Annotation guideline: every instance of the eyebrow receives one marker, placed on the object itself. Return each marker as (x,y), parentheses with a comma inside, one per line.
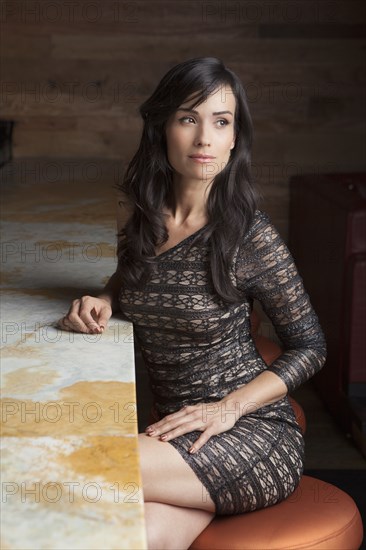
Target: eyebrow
(197,113)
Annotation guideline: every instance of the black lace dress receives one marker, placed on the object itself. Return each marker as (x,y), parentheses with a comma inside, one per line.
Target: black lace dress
(197,349)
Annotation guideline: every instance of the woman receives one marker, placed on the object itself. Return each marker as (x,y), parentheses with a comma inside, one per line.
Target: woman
(194,252)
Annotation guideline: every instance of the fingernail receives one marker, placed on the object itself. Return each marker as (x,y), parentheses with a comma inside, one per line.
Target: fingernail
(164,437)
(192,450)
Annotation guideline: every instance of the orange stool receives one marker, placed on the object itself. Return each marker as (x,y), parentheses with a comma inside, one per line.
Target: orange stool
(317,515)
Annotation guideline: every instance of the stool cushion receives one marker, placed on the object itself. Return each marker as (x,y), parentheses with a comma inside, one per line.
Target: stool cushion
(268,349)
(317,515)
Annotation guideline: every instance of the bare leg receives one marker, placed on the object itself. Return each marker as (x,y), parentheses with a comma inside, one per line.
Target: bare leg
(173,527)
(167,478)
(177,505)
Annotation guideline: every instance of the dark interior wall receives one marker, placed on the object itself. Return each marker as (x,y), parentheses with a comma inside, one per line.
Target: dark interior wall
(75,72)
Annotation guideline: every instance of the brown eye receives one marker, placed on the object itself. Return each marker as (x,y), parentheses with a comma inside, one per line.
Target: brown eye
(225,122)
(186,118)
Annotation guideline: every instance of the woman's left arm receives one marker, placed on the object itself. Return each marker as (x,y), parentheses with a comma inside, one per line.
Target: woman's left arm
(266,271)
(269,274)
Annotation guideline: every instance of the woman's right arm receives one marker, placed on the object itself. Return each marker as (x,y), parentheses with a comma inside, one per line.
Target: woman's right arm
(90,314)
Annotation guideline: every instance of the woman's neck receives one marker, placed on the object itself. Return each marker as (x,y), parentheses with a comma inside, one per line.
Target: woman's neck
(187,205)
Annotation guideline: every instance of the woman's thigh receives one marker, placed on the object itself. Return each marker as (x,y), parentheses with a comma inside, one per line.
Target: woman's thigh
(173,527)
(167,478)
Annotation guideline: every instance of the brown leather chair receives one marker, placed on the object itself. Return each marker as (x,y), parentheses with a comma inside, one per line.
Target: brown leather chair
(317,515)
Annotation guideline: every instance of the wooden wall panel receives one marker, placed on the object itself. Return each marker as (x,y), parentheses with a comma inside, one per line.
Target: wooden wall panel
(74,74)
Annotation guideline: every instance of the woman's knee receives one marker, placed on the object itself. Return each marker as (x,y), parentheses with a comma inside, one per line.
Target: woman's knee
(156,537)
(158,530)
(173,527)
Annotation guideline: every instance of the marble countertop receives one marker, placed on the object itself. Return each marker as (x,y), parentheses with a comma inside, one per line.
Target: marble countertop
(70,470)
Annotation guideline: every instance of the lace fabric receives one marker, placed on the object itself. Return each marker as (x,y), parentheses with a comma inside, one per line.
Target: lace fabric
(266,271)
(197,348)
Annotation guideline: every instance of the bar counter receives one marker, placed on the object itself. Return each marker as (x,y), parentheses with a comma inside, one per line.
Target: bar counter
(70,466)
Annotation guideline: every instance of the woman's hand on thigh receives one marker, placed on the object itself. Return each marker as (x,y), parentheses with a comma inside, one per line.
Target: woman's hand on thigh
(209,418)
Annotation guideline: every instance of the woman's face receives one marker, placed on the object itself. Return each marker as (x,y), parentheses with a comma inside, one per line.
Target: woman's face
(199,141)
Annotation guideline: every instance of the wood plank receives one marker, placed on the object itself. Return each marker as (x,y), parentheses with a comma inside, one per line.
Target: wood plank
(336,31)
(42,102)
(89,172)
(225,46)
(44,123)
(74,143)
(18,45)
(335,76)
(167,17)
(97,123)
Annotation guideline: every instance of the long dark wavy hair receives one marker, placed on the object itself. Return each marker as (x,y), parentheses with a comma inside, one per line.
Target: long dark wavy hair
(148,180)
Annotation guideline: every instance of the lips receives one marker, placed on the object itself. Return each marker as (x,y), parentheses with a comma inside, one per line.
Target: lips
(203,157)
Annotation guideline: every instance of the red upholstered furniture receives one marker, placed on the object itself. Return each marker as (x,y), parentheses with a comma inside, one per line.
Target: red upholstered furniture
(328,241)
(317,515)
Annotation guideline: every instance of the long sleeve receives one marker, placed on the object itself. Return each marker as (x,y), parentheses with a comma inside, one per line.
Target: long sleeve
(265,270)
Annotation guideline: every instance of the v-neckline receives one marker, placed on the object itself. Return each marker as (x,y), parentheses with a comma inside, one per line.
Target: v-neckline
(180,242)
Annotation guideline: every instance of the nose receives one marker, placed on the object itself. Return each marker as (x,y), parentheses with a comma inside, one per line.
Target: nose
(202,138)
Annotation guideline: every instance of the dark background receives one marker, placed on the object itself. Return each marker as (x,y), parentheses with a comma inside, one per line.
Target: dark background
(73,75)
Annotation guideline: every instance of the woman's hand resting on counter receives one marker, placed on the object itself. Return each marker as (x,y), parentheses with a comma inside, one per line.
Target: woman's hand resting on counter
(87,314)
